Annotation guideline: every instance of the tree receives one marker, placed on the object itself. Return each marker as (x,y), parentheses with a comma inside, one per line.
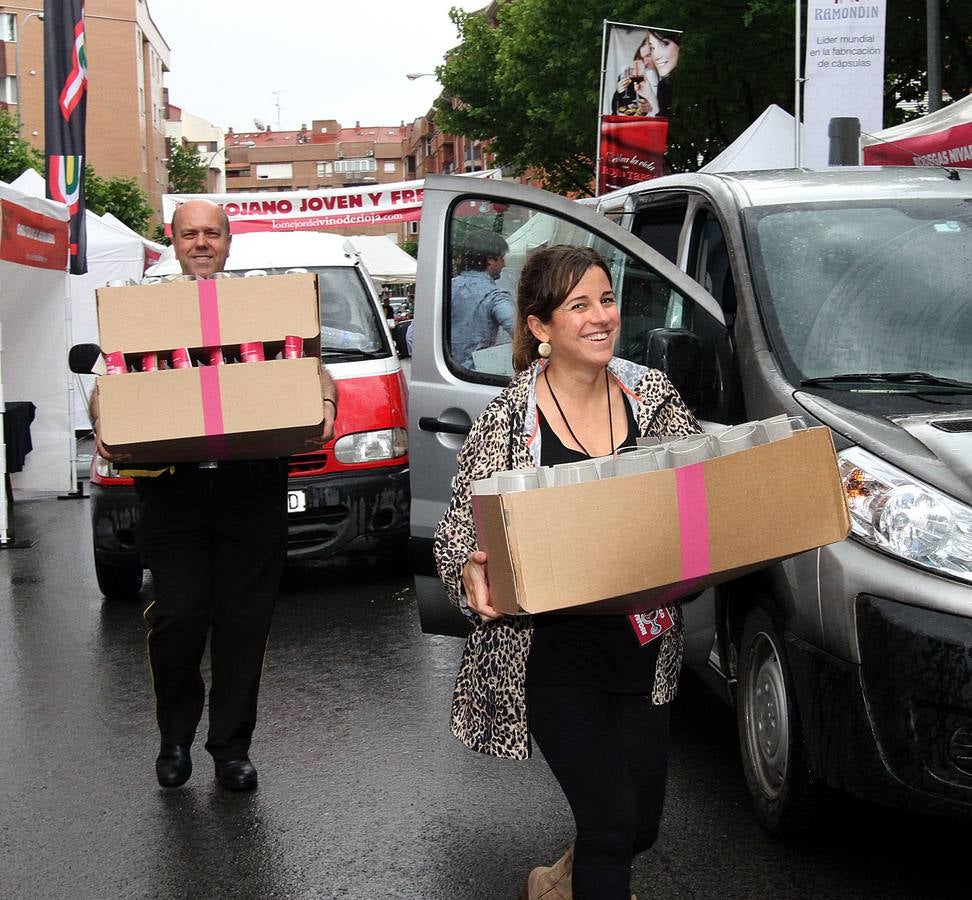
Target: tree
(122,197)
(531,81)
(16,154)
(187,173)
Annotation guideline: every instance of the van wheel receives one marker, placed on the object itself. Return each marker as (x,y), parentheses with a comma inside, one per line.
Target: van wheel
(118,583)
(770,740)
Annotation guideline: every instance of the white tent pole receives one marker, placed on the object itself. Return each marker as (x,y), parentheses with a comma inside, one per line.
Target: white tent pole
(5,536)
(796,99)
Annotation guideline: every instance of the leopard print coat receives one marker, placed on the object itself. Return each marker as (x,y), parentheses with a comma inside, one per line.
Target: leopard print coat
(488,706)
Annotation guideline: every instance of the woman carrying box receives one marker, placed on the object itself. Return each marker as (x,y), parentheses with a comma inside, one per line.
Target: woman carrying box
(594,698)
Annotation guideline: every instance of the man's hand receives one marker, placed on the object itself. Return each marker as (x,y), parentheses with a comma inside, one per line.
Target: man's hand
(330,414)
(476,585)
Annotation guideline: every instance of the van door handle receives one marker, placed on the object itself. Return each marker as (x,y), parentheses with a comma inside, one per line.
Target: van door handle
(427,423)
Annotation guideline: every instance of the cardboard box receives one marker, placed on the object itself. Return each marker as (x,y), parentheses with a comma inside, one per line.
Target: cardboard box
(249,410)
(634,543)
(223,312)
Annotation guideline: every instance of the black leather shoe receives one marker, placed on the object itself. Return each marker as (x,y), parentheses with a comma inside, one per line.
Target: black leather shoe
(173,766)
(236,774)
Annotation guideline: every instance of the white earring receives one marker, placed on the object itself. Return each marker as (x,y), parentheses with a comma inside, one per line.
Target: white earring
(544,348)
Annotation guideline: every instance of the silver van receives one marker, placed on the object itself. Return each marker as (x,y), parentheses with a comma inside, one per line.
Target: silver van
(843,296)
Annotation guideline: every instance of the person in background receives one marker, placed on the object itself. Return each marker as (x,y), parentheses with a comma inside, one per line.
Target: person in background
(479,307)
(664,47)
(214,537)
(636,90)
(594,699)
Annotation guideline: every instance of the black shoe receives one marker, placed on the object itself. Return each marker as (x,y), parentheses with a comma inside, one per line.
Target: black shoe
(236,774)
(173,766)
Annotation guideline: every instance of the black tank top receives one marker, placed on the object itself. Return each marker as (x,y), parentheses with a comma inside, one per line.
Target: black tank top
(597,651)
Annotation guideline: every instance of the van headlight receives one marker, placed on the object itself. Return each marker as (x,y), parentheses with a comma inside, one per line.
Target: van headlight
(371,446)
(905,518)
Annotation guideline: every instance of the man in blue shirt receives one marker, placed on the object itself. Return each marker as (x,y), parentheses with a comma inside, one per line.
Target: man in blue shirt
(479,307)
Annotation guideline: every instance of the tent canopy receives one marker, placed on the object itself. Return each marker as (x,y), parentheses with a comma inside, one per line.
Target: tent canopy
(942,138)
(766,144)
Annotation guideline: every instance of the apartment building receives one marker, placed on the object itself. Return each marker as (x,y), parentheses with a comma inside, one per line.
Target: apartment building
(127,59)
(207,139)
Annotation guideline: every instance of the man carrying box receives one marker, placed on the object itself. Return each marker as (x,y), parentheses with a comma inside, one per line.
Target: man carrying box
(214,537)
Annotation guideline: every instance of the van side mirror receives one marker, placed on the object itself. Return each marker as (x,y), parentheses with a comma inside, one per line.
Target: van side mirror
(679,354)
(83,359)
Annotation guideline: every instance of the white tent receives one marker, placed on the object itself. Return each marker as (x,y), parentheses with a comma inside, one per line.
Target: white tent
(34,295)
(115,252)
(766,144)
(385,261)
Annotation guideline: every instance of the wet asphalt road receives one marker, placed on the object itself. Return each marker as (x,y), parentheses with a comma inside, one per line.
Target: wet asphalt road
(363,793)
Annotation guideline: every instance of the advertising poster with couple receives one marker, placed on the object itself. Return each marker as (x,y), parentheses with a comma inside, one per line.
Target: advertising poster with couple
(637,90)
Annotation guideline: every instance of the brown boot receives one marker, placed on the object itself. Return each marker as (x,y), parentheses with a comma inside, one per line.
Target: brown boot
(551,882)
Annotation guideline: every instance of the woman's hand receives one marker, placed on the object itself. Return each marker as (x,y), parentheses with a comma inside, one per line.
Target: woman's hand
(623,83)
(477,587)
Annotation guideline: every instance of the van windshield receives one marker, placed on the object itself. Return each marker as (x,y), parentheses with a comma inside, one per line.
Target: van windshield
(877,287)
(350,327)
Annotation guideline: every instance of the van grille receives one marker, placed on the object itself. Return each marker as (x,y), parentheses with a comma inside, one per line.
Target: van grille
(954,426)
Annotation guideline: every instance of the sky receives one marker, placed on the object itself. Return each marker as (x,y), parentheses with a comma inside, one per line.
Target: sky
(233,61)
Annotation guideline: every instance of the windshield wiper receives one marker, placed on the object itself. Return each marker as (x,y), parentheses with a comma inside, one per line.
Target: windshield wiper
(919,378)
(350,351)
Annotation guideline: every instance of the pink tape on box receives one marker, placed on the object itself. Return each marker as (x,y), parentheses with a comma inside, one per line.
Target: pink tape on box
(209,313)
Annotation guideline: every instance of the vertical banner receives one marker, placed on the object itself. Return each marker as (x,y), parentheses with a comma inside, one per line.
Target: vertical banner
(65,113)
(637,91)
(844,70)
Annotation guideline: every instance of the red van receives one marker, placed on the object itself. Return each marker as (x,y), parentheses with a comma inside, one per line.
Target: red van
(351,495)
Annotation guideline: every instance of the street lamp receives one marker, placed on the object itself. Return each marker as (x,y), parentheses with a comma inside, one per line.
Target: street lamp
(411,76)
(247,144)
(21,30)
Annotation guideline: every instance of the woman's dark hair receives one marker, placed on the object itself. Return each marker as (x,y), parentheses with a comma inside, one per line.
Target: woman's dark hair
(546,279)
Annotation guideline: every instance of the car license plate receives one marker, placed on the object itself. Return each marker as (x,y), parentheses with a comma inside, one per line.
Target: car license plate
(296,501)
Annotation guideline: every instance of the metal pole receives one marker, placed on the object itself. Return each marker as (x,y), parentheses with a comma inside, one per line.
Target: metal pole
(600,98)
(796,90)
(934,55)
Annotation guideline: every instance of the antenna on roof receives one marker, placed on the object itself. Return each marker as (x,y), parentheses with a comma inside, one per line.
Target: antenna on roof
(276,95)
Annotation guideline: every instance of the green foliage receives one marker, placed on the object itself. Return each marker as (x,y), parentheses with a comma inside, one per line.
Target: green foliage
(531,83)
(16,154)
(187,172)
(411,248)
(121,197)
(159,236)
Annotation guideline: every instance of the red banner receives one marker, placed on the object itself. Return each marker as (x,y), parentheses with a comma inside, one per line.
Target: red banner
(632,150)
(950,147)
(637,97)
(30,238)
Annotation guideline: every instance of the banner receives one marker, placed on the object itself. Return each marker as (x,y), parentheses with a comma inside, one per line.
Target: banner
(941,138)
(65,114)
(637,91)
(311,209)
(844,70)
(30,238)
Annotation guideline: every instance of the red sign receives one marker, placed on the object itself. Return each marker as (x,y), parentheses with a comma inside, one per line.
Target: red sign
(950,147)
(632,150)
(32,239)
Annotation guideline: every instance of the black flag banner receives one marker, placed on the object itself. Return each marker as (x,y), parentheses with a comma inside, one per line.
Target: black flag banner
(65,112)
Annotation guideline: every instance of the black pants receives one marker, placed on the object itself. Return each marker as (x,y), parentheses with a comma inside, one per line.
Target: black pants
(610,754)
(215,542)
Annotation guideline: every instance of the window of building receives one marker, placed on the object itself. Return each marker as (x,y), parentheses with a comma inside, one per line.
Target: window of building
(275,170)
(390,167)
(324,168)
(413,227)
(8,88)
(8,27)
(355,165)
